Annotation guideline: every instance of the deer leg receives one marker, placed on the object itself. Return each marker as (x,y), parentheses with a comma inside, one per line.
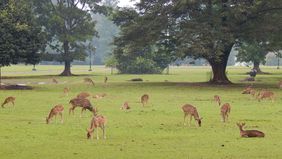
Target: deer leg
(62,121)
(184,119)
(82,111)
(97,134)
(190,120)
(104,134)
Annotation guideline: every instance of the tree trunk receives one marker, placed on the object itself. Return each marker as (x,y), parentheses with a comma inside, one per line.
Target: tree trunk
(219,68)
(67,59)
(0,77)
(256,66)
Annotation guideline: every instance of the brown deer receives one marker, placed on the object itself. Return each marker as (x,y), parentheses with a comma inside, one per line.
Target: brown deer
(217,99)
(9,99)
(55,81)
(249,133)
(144,99)
(253,92)
(83,103)
(89,81)
(192,111)
(265,94)
(280,84)
(225,111)
(99,96)
(83,95)
(125,106)
(247,90)
(66,91)
(58,109)
(97,121)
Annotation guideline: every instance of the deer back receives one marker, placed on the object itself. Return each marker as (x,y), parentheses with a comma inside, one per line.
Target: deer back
(189,109)
(225,108)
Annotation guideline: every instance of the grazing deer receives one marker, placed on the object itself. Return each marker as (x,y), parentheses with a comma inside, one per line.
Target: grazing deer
(97,121)
(265,94)
(58,109)
(217,99)
(9,100)
(83,95)
(144,99)
(125,106)
(83,103)
(225,111)
(89,80)
(55,81)
(99,96)
(249,133)
(192,111)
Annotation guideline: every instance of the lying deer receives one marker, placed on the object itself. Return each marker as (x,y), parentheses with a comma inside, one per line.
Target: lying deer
(217,99)
(58,109)
(83,95)
(144,99)
(249,133)
(192,111)
(97,121)
(265,94)
(89,80)
(125,106)
(83,103)
(247,90)
(99,96)
(9,100)
(225,111)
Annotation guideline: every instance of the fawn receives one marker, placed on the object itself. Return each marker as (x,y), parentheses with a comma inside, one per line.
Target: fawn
(192,111)
(265,94)
(249,133)
(83,95)
(144,99)
(125,106)
(89,80)
(58,109)
(55,81)
(225,111)
(97,121)
(83,103)
(217,99)
(9,100)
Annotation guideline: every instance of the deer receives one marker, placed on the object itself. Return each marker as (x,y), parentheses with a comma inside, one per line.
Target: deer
(144,99)
(89,81)
(99,96)
(192,111)
(83,95)
(55,81)
(265,94)
(247,90)
(249,133)
(125,106)
(105,79)
(225,111)
(9,99)
(97,121)
(280,84)
(83,103)
(57,109)
(66,91)
(217,99)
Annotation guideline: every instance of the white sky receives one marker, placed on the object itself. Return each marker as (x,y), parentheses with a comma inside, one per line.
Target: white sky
(124,3)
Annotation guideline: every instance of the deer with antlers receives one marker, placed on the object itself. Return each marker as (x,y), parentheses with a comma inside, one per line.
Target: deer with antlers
(264,94)
(83,103)
(192,111)
(7,100)
(225,111)
(144,99)
(217,99)
(58,109)
(125,106)
(89,81)
(249,133)
(98,121)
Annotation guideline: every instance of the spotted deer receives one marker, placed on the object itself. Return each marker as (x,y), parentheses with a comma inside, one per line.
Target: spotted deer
(225,111)
(217,99)
(192,111)
(125,106)
(264,94)
(83,103)
(89,81)
(58,109)
(83,95)
(144,99)
(249,133)
(9,99)
(97,121)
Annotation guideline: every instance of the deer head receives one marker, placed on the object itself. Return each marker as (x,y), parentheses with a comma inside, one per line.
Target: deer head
(199,120)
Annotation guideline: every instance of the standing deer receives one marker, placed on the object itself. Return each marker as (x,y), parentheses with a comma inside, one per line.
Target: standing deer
(217,99)
(83,103)
(83,95)
(89,80)
(144,99)
(97,121)
(225,111)
(249,133)
(58,109)
(265,94)
(55,81)
(125,106)
(9,99)
(66,91)
(192,111)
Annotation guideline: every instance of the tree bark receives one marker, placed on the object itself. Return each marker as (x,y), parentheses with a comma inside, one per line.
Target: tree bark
(67,59)
(256,66)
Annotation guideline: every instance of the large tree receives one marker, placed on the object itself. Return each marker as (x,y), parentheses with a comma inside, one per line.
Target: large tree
(21,37)
(69,25)
(203,28)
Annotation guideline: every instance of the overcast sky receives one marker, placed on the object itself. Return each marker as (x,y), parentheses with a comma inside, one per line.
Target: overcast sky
(124,3)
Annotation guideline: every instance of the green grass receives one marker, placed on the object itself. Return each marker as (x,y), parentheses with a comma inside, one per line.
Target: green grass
(155,131)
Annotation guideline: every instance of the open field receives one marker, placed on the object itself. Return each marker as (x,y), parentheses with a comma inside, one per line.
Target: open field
(155,131)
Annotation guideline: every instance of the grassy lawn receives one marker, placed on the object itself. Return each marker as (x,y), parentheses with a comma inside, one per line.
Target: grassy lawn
(155,131)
